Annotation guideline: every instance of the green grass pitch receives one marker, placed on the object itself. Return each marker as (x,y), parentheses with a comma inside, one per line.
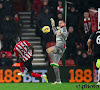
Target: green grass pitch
(44,86)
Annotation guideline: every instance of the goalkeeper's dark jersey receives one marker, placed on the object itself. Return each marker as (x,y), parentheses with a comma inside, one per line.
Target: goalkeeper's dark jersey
(96,41)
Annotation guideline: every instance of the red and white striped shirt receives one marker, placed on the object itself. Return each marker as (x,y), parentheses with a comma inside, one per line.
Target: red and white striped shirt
(22,50)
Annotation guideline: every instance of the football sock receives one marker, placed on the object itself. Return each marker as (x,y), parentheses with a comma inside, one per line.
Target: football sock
(57,57)
(51,54)
(57,73)
(99,75)
(35,75)
(22,66)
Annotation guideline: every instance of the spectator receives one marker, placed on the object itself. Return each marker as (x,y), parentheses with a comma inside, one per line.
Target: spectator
(59,17)
(36,6)
(60,7)
(72,39)
(18,24)
(8,7)
(45,5)
(44,20)
(4,61)
(53,4)
(27,3)
(8,29)
(85,29)
(73,18)
(92,8)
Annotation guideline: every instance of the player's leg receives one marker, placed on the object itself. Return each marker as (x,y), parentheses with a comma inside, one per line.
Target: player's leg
(28,65)
(50,52)
(98,77)
(98,66)
(22,69)
(97,63)
(58,54)
(56,69)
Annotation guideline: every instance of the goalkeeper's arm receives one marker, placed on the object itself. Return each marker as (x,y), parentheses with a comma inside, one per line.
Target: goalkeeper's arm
(53,26)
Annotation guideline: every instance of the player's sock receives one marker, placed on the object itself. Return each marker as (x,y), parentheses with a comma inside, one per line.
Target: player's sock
(52,56)
(99,75)
(35,75)
(22,66)
(57,73)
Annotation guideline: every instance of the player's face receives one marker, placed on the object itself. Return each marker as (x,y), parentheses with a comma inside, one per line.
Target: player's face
(61,24)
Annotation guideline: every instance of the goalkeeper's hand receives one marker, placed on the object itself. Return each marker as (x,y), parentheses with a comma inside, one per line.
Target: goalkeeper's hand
(52,22)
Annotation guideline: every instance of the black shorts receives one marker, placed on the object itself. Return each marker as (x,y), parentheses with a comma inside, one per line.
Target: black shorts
(28,64)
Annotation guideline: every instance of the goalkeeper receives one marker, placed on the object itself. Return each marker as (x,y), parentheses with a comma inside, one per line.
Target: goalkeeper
(56,52)
(95,37)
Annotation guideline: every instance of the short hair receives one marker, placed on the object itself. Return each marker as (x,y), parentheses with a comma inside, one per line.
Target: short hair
(45,0)
(62,20)
(17,38)
(86,12)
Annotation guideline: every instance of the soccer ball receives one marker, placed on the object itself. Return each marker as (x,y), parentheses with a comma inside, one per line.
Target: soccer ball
(46,29)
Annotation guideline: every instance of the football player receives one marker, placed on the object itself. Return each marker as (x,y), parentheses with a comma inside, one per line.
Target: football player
(95,37)
(56,52)
(25,57)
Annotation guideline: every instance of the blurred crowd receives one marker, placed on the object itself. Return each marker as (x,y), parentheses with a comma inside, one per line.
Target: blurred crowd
(78,24)
(10,25)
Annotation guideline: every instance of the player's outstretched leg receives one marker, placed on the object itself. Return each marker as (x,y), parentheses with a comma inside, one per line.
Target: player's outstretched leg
(39,76)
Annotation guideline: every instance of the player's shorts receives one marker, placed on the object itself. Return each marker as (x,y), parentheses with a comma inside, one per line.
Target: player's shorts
(58,49)
(28,64)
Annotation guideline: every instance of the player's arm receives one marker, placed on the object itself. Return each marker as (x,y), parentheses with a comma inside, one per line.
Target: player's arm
(53,26)
(89,45)
(30,46)
(32,49)
(90,41)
